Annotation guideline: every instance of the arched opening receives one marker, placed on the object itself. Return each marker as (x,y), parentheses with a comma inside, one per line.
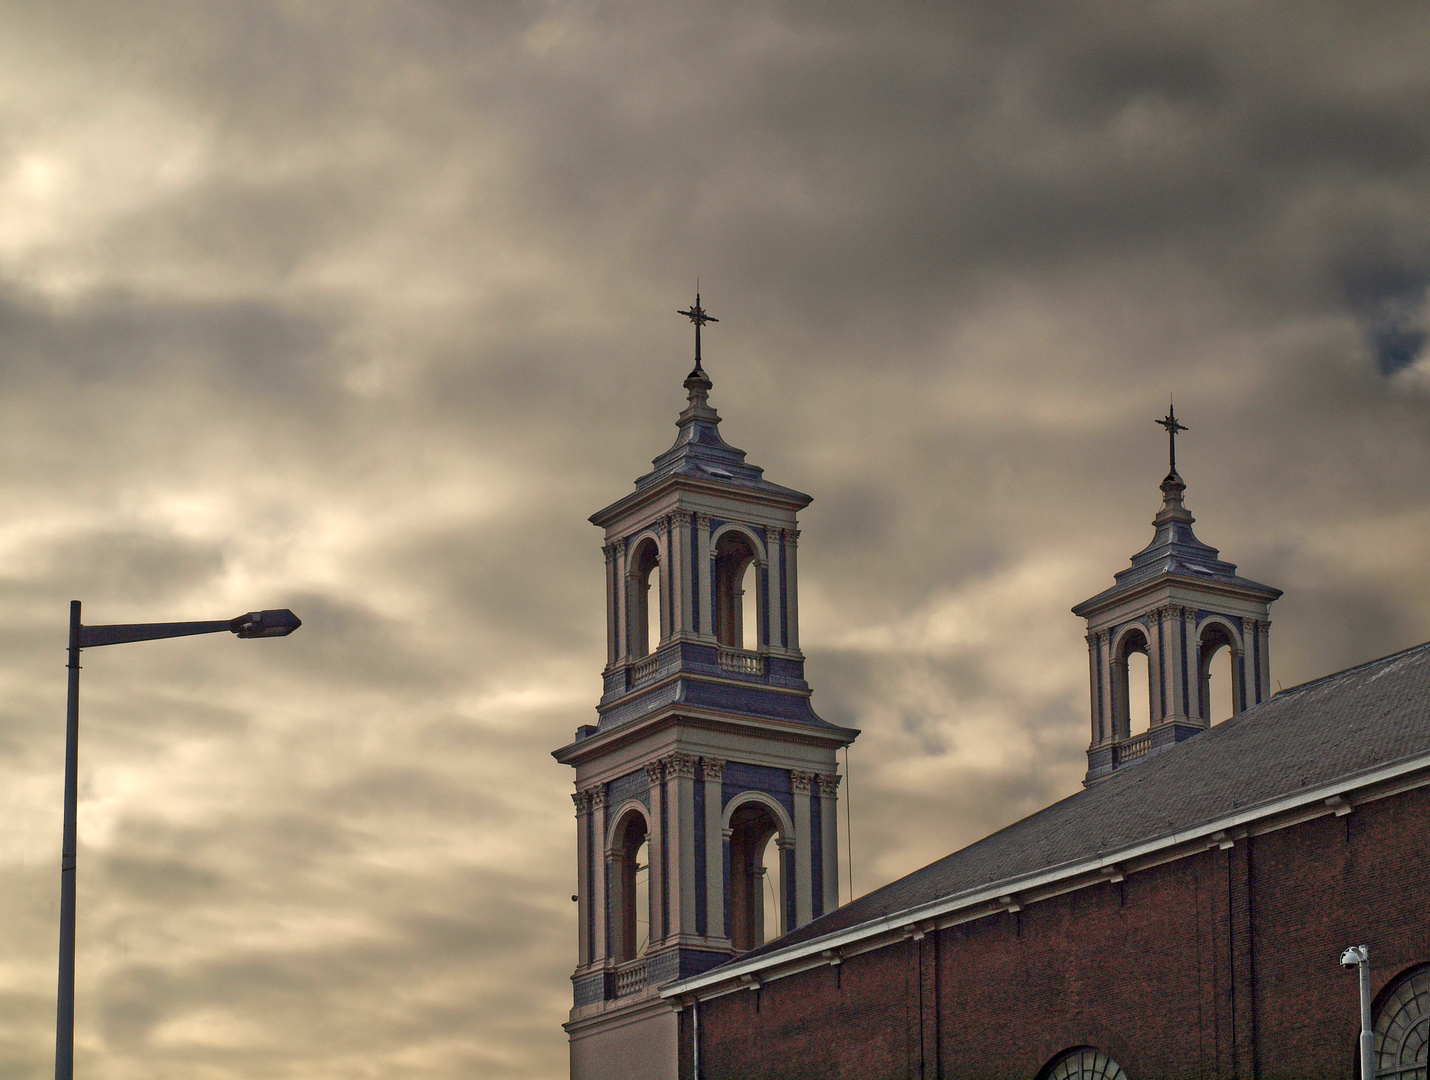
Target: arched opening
(629,887)
(1402,1027)
(1131,688)
(1082,1063)
(749,613)
(645,598)
(735,560)
(773,861)
(1218,686)
(642,898)
(1139,693)
(1216,664)
(753,832)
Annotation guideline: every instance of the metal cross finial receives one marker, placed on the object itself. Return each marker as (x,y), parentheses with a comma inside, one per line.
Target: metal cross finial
(697,315)
(1170,423)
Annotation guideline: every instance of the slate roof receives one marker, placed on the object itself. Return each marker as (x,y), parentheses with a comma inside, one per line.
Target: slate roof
(1311,735)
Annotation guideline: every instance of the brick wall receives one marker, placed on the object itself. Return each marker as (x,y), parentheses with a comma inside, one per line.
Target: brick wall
(1218,965)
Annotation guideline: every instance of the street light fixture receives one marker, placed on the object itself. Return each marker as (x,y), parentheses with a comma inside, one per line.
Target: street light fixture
(1358,956)
(254,624)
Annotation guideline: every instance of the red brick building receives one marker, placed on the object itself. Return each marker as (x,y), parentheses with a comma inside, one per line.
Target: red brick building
(1180,919)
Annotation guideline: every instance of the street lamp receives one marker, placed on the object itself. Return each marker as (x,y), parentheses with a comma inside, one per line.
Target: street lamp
(254,624)
(1358,956)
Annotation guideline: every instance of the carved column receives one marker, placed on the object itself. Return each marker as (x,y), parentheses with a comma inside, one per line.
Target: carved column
(582,799)
(712,769)
(681,841)
(657,876)
(704,572)
(829,838)
(600,900)
(802,784)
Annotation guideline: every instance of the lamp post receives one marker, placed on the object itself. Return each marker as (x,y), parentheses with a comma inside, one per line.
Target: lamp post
(252,625)
(1358,956)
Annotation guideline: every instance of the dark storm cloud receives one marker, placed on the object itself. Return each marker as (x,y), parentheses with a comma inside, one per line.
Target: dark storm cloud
(362,309)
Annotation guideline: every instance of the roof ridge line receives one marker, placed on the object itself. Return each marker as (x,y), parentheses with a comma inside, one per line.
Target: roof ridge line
(1344,671)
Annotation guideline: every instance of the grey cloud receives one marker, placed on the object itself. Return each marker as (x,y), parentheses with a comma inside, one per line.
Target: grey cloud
(404,317)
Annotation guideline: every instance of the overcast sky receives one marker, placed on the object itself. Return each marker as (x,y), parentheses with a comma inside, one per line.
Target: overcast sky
(361,308)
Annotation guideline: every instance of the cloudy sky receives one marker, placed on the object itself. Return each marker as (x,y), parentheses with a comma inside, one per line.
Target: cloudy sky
(361,308)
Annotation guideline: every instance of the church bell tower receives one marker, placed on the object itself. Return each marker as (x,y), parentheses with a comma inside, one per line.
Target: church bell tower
(707,761)
(1178,604)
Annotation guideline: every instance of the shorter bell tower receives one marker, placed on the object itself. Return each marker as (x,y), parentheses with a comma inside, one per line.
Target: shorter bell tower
(1178,604)
(707,766)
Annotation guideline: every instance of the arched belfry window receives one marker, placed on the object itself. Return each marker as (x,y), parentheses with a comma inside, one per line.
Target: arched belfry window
(736,573)
(1402,1027)
(628,872)
(1220,696)
(1082,1063)
(755,850)
(1130,707)
(645,598)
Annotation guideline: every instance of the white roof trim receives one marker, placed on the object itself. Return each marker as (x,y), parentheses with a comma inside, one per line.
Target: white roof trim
(994,890)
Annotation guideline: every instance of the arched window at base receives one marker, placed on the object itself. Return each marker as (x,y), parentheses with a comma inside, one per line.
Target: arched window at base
(1082,1063)
(752,827)
(1402,1028)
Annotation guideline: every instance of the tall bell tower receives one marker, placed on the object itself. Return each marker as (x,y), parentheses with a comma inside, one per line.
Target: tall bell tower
(706,753)
(1178,604)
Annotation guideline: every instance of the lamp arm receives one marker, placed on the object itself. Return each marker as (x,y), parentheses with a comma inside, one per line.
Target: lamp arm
(120,633)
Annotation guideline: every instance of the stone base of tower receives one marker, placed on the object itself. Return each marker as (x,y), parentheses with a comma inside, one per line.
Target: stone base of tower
(1106,759)
(639,1041)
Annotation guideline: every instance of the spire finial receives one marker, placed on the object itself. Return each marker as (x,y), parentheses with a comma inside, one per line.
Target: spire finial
(1170,423)
(697,315)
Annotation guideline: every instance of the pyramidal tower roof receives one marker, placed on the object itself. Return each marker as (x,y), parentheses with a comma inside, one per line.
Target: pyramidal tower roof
(699,453)
(1175,550)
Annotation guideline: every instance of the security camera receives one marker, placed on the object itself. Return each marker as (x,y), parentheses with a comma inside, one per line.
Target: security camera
(1354,956)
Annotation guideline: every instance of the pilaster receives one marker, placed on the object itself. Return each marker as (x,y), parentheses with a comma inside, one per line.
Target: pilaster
(791,538)
(609,550)
(681,573)
(623,599)
(774,547)
(600,901)
(658,863)
(704,571)
(1263,630)
(802,784)
(1156,705)
(680,828)
(1195,707)
(716,865)
(829,837)
(582,799)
